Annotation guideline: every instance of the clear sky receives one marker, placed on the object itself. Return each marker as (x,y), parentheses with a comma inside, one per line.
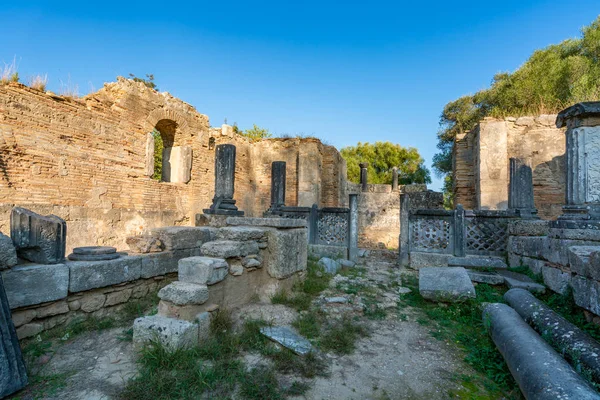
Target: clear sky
(342,71)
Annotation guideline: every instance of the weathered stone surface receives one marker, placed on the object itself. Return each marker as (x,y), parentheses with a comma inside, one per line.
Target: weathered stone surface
(31,284)
(576,345)
(585,261)
(183,237)
(319,251)
(241,233)
(203,321)
(446,284)
(59,307)
(556,280)
(172,333)
(145,244)
(586,293)
(37,238)
(532,246)
(118,297)
(346,263)
(533,264)
(520,193)
(236,268)
(156,264)
(491,278)
(589,235)
(187,312)
(183,293)
(8,253)
(287,253)
(223,202)
(13,375)
(516,280)
(251,262)
(92,302)
(229,249)
(287,338)
(277,184)
(86,275)
(528,227)
(29,330)
(329,266)
(99,253)
(281,223)
(23,317)
(477,262)
(201,270)
(540,372)
(419,260)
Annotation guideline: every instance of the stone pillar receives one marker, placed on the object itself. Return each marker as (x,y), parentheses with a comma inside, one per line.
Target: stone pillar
(277,185)
(13,375)
(459,232)
(404,256)
(313,220)
(582,164)
(520,192)
(394,179)
(364,176)
(353,229)
(223,202)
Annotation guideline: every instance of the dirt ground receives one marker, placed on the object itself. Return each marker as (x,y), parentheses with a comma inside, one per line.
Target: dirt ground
(398,360)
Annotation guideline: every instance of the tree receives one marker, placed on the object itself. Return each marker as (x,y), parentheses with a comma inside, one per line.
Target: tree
(255,133)
(158,156)
(149,81)
(382,157)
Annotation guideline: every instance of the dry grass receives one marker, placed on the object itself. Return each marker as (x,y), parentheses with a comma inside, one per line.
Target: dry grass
(69,89)
(38,82)
(9,73)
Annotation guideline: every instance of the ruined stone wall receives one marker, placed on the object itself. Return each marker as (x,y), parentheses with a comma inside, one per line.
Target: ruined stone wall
(481,161)
(90,162)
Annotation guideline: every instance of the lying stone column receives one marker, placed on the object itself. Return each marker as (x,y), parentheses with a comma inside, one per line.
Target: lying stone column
(223,202)
(353,229)
(540,372)
(394,179)
(577,346)
(582,161)
(364,176)
(277,185)
(13,375)
(520,192)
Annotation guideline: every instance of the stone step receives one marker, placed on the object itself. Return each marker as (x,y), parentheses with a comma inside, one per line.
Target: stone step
(229,249)
(521,281)
(445,284)
(540,372)
(183,293)
(491,278)
(477,262)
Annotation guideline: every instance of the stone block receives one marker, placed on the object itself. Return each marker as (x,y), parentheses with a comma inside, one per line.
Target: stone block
(235,267)
(533,264)
(183,293)
(118,297)
(187,312)
(37,238)
(163,263)
(229,249)
(287,253)
(172,333)
(329,266)
(59,307)
(528,227)
(491,278)
(556,280)
(23,317)
(241,233)
(586,293)
(8,253)
(183,237)
(477,262)
(445,284)
(144,244)
(520,281)
(252,262)
(29,330)
(514,260)
(203,321)
(419,259)
(585,261)
(31,284)
(86,275)
(529,246)
(590,235)
(287,338)
(280,223)
(202,270)
(92,302)
(319,251)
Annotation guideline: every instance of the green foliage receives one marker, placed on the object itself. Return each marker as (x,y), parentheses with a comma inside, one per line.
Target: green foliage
(382,157)
(550,80)
(341,338)
(158,154)
(148,81)
(255,133)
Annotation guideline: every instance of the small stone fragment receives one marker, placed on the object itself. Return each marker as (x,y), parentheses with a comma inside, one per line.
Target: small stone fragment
(330,266)
(183,293)
(287,338)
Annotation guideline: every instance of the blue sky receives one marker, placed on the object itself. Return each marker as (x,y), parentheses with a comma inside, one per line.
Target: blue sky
(342,71)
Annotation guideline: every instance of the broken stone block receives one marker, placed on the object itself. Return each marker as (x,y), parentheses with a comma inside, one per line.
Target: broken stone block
(287,338)
(329,266)
(521,281)
(235,267)
(183,237)
(201,270)
(8,253)
(346,263)
(86,275)
(203,320)
(445,284)
(229,249)
(37,238)
(144,244)
(491,278)
(556,280)
(477,262)
(172,333)
(183,293)
(251,262)
(31,284)
(241,233)
(281,223)
(187,312)
(287,253)
(585,261)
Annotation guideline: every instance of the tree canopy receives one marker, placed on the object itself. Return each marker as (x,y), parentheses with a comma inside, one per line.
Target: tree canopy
(551,79)
(382,157)
(255,133)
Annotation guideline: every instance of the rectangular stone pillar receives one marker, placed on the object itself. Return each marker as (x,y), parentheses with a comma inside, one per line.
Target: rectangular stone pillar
(460,239)
(403,245)
(353,229)
(313,220)
(395,179)
(364,176)
(520,192)
(277,185)
(223,202)
(492,166)
(13,376)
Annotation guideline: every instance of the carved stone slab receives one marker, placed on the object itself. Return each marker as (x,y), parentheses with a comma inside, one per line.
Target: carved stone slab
(37,238)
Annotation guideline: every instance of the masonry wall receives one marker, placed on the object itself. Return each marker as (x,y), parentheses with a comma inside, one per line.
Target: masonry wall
(481,163)
(89,161)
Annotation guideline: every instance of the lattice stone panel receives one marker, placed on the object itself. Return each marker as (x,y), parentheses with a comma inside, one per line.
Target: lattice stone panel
(486,235)
(430,235)
(296,216)
(333,229)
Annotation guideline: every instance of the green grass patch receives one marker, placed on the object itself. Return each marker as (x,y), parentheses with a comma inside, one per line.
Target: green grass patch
(341,337)
(309,324)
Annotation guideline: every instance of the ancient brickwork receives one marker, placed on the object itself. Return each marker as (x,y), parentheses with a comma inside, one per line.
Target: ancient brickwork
(90,161)
(481,162)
